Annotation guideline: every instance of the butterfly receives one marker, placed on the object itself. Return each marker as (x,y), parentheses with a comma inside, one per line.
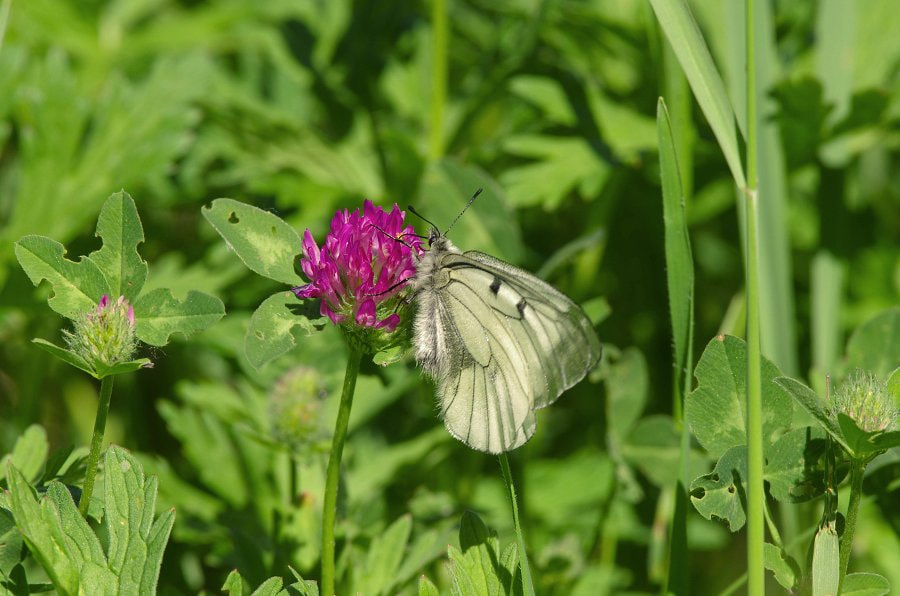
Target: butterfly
(499,342)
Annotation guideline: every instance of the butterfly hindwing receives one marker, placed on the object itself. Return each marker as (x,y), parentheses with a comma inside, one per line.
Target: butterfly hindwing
(505,343)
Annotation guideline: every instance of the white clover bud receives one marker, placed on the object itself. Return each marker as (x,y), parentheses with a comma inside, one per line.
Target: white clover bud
(104,335)
(865,399)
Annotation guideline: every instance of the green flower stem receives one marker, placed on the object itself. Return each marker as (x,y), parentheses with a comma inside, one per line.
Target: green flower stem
(438,79)
(857,470)
(527,584)
(333,475)
(755,494)
(106,387)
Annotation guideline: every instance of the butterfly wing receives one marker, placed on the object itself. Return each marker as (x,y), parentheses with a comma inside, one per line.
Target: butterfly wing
(512,344)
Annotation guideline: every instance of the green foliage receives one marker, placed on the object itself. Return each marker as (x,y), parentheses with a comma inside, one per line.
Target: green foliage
(128,557)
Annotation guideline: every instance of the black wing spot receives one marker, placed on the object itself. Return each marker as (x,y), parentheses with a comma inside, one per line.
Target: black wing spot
(495,285)
(520,305)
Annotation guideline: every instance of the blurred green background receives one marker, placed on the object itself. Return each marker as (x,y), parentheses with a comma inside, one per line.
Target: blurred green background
(302,108)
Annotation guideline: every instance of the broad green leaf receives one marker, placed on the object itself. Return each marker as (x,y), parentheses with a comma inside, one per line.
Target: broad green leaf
(28,454)
(474,566)
(120,228)
(77,287)
(684,35)
(716,409)
(270,587)
(864,443)
(136,541)
(826,562)
(807,398)
(10,541)
(67,356)
(795,469)
(865,584)
(722,493)
(679,259)
(509,564)
(653,446)
(875,345)
(384,557)
(271,330)
(426,588)
(626,389)
(785,568)
(158,315)
(262,240)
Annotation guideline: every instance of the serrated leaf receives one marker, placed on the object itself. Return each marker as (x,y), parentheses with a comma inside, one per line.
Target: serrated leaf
(77,287)
(158,315)
(271,330)
(781,564)
(120,228)
(262,240)
(865,584)
(426,588)
(67,356)
(385,555)
(29,453)
(136,542)
(270,587)
(10,542)
(716,409)
(473,566)
(234,584)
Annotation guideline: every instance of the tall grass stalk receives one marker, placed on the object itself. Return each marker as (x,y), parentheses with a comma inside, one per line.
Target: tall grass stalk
(527,584)
(439,31)
(755,492)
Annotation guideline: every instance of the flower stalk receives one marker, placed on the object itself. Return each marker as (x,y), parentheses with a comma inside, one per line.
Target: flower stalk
(857,470)
(106,387)
(332,478)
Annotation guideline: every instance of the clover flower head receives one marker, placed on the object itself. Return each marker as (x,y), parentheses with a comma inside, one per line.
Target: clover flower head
(359,272)
(865,398)
(105,334)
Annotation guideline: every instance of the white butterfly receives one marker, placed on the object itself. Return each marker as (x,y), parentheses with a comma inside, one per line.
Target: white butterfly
(499,343)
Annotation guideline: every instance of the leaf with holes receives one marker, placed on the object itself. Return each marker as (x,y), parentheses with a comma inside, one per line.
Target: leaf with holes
(273,326)
(262,240)
(722,494)
(158,315)
(120,228)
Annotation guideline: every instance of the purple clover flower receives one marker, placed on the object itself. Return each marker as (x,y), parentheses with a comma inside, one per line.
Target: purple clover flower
(361,268)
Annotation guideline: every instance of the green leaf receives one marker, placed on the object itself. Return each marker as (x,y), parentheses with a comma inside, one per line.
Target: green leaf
(136,541)
(158,315)
(426,588)
(875,345)
(123,367)
(782,565)
(684,35)
(120,228)
(808,399)
(270,587)
(626,387)
(893,386)
(653,446)
(10,541)
(721,494)
(826,562)
(679,260)
(67,356)
(865,584)
(77,287)
(234,584)
(262,240)
(864,443)
(384,557)
(271,330)
(716,408)
(474,567)
(28,454)
(795,468)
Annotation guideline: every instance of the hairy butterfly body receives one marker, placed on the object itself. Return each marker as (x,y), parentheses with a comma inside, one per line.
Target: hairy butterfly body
(499,343)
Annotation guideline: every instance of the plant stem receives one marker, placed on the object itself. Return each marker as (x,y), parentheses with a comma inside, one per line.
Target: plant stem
(755,492)
(527,584)
(438,79)
(773,529)
(857,470)
(329,511)
(106,387)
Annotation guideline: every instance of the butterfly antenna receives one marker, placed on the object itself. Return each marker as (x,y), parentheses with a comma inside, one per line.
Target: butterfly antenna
(469,204)
(420,216)
(397,238)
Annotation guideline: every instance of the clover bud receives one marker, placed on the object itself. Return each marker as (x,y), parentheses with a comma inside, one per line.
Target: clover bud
(295,407)
(104,335)
(865,399)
